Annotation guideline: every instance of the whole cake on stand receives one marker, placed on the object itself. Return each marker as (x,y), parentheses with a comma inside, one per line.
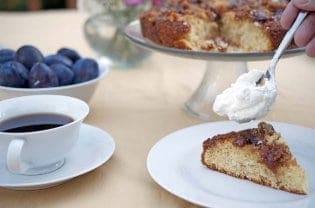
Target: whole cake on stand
(225,33)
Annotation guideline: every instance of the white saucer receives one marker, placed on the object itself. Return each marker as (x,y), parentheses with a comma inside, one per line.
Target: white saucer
(93,149)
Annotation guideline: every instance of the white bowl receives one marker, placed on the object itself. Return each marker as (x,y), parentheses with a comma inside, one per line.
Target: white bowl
(83,91)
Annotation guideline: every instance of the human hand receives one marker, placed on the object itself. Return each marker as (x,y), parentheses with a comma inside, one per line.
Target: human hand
(305,35)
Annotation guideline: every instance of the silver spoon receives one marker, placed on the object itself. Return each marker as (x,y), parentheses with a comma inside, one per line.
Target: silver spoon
(270,73)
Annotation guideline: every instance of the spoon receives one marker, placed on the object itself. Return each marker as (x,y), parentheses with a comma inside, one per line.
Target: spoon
(270,73)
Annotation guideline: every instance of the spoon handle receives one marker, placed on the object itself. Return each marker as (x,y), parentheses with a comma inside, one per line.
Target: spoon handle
(286,40)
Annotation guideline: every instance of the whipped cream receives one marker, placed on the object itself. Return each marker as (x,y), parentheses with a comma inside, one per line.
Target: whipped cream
(245,100)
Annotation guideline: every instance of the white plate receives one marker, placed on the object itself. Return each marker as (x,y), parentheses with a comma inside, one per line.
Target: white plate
(92,150)
(174,163)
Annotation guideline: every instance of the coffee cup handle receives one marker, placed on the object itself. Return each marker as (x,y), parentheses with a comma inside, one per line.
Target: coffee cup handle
(14,163)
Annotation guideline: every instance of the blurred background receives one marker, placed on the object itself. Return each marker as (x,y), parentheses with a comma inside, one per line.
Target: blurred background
(33,5)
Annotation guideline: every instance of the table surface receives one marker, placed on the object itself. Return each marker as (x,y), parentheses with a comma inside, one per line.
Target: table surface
(137,107)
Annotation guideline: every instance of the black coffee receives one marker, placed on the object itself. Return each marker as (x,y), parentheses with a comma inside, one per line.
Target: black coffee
(34,122)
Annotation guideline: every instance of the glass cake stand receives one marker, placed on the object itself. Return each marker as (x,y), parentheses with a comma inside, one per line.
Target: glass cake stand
(222,69)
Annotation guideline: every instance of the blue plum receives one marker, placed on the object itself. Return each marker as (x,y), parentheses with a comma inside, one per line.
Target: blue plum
(70,53)
(42,76)
(13,74)
(28,55)
(57,59)
(6,55)
(84,70)
(65,75)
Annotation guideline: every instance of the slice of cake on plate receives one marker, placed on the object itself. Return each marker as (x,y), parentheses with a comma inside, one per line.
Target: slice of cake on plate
(259,155)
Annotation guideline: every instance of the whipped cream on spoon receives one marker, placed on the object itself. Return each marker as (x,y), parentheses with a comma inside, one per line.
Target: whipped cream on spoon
(253,93)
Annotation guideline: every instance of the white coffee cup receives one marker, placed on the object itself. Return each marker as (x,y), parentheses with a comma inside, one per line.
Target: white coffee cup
(40,152)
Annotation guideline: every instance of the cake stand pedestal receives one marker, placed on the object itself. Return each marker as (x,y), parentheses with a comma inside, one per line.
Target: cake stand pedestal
(222,70)
(218,76)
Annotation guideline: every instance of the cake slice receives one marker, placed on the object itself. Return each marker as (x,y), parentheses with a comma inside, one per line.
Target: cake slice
(259,155)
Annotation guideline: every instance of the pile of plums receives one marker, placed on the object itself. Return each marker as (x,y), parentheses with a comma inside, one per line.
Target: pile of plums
(28,68)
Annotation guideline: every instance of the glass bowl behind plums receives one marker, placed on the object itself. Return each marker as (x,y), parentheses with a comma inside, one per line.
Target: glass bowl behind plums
(83,91)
